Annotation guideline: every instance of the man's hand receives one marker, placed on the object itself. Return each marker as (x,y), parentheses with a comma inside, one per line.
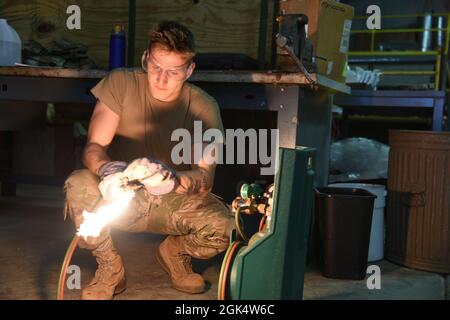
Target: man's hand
(194,181)
(111,167)
(200,178)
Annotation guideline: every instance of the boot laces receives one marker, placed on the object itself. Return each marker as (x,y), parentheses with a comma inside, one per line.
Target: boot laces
(183,264)
(106,271)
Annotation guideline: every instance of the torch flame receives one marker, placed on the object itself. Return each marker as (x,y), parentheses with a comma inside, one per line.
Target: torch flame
(94,222)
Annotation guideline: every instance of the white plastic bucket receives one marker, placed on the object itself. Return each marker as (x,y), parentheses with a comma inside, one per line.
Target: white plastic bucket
(10,45)
(376,245)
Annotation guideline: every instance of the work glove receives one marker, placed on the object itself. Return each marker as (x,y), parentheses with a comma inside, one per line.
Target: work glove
(111,174)
(110,168)
(157,177)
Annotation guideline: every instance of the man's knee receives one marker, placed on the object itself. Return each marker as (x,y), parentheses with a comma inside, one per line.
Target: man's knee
(217,229)
(224,222)
(82,192)
(79,179)
(212,238)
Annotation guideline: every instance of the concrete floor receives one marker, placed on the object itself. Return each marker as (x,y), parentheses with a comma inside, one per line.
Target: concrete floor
(34,239)
(396,283)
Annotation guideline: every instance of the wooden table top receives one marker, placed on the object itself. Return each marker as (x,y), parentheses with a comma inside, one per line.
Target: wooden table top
(251,76)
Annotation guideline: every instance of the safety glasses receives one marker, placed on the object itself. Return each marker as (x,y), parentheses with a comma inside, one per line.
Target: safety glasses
(154,68)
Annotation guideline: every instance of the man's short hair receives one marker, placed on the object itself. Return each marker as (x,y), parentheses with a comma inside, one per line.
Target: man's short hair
(172,36)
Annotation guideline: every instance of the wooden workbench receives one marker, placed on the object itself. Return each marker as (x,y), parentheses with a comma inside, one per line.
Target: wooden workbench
(303,109)
(263,77)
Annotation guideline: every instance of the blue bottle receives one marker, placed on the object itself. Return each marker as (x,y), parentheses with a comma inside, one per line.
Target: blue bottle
(117,47)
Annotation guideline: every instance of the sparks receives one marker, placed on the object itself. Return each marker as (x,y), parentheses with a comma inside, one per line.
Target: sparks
(94,222)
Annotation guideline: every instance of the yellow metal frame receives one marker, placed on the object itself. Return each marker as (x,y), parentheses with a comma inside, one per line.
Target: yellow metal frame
(438,53)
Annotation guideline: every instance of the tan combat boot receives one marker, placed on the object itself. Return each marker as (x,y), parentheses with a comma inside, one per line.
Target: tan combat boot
(109,278)
(177,263)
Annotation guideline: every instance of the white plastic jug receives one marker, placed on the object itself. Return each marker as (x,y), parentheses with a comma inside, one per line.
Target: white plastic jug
(376,244)
(10,45)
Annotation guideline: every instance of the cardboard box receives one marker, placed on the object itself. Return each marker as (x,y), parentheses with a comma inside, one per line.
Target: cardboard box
(328,29)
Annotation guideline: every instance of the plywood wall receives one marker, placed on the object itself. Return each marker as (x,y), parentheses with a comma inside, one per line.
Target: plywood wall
(229,26)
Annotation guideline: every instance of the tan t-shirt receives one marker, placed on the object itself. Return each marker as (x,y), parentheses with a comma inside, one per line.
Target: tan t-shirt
(146,124)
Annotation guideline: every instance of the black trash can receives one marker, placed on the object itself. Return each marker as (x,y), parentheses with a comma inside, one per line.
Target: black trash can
(344,219)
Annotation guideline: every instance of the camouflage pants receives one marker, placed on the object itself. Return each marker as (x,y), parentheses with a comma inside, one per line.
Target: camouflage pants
(203,221)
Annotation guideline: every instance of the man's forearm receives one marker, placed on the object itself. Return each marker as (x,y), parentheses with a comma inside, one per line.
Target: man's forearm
(94,156)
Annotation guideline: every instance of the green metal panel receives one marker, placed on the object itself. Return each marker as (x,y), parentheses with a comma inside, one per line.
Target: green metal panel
(273,264)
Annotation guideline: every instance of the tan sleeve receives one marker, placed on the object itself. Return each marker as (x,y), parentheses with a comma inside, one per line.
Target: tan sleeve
(206,109)
(111,90)
(210,116)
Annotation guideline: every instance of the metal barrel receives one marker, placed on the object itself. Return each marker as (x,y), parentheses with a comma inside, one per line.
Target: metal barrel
(418,207)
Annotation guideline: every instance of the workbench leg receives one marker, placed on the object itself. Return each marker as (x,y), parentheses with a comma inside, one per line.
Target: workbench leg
(314,130)
(304,119)
(438,114)
(285,100)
